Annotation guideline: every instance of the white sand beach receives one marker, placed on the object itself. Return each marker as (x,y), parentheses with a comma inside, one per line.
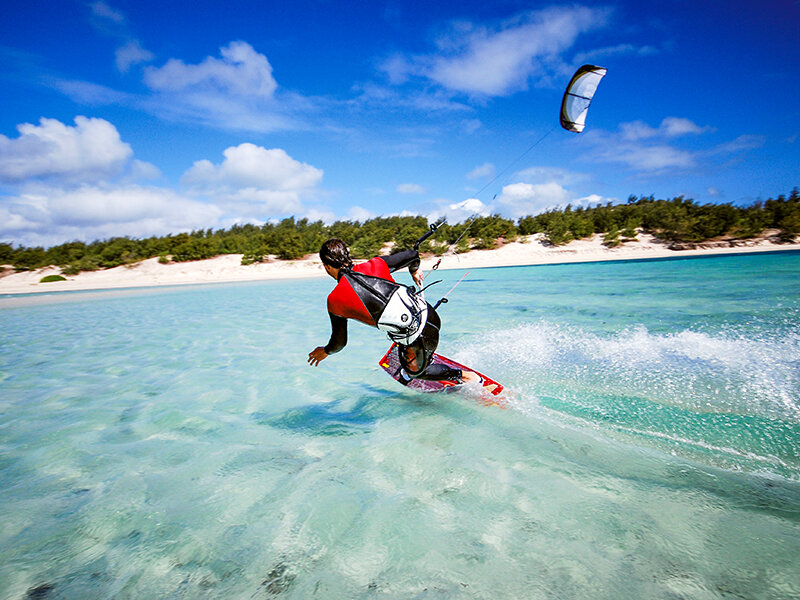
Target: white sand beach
(528,250)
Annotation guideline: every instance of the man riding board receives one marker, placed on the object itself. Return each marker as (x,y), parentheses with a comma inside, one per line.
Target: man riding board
(367,292)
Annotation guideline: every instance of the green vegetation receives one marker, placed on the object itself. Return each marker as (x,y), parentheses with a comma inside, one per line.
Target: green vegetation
(51,278)
(679,222)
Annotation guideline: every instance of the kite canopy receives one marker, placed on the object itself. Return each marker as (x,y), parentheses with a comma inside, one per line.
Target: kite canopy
(578,96)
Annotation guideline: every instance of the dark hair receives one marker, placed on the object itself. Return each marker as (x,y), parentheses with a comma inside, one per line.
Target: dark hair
(334,253)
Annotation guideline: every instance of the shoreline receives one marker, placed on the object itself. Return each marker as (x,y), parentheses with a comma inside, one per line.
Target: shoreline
(528,251)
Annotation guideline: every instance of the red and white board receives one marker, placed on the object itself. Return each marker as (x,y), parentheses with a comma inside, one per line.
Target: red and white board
(391,364)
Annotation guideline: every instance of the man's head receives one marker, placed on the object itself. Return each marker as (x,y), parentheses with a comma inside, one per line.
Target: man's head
(335,255)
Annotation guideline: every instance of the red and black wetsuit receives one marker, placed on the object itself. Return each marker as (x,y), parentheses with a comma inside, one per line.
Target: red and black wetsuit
(351,300)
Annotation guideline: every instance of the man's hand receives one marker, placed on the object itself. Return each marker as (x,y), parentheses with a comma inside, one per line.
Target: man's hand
(418,277)
(317,355)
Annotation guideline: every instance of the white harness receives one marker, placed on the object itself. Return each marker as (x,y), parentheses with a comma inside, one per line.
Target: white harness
(404,317)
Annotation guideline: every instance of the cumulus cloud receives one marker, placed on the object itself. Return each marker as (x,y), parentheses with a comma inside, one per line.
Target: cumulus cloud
(410,188)
(143,170)
(254,178)
(89,150)
(241,71)
(520,199)
(97,206)
(80,182)
(251,166)
(236,91)
(457,212)
(497,61)
(51,215)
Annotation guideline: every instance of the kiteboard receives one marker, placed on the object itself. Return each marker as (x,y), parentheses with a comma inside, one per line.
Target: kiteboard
(391,364)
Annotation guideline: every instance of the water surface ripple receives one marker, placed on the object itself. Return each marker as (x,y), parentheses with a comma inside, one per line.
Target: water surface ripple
(173,443)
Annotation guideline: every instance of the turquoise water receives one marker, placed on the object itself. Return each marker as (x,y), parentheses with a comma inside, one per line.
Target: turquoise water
(173,442)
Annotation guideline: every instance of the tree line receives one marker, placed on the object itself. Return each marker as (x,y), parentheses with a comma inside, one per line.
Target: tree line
(679,222)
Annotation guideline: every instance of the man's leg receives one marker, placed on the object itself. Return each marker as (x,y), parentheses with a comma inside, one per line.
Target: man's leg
(416,358)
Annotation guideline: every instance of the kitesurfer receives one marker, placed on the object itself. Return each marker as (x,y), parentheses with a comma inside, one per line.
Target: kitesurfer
(367,292)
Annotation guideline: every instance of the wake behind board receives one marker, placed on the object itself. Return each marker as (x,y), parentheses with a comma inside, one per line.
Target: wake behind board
(391,364)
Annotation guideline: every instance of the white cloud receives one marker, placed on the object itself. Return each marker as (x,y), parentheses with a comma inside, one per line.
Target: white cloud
(242,71)
(358,213)
(13,223)
(600,54)
(457,212)
(253,179)
(113,22)
(484,171)
(144,170)
(671,127)
(530,199)
(593,199)
(79,183)
(741,143)
(95,206)
(258,203)
(381,98)
(103,11)
(653,150)
(90,150)
(315,214)
(48,215)
(410,188)
(654,159)
(235,92)
(677,127)
(397,68)
(500,60)
(563,177)
(663,149)
(470,126)
(251,166)
(86,92)
(131,54)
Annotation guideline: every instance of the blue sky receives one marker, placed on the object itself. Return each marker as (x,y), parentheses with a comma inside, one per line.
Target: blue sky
(123,117)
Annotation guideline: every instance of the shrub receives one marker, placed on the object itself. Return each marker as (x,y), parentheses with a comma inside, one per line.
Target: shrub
(611,237)
(557,230)
(50,278)
(71,270)
(249,258)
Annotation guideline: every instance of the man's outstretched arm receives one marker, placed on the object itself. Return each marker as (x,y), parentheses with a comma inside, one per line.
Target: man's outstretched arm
(337,342)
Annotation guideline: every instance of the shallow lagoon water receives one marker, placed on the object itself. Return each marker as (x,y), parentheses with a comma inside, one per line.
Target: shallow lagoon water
(173,442)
